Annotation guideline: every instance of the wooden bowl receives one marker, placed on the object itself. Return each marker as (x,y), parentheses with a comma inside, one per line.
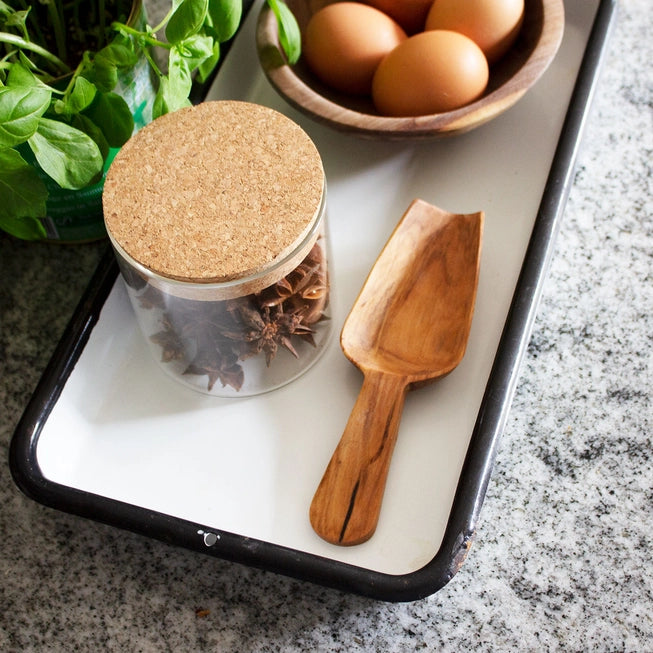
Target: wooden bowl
(531,54)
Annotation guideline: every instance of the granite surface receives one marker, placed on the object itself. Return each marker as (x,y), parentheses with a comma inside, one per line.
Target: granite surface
(563,556)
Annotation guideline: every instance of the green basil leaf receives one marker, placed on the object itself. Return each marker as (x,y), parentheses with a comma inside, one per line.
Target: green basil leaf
(86,125)
(207,66)
(225,17)
(81,97)
(289,35)
(20,111)
(21,75)
(112,115)
(118,54)
(66,154)
(168,98)
(23,228)
(22,197)
(101,71)
(186,20)
(196,49)
(180,70)
(27,65)
(16,19)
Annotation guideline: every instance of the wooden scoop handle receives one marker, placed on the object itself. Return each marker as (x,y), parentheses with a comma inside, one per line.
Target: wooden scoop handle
(347,503)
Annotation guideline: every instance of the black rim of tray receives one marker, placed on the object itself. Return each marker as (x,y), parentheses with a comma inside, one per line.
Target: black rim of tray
(477,467)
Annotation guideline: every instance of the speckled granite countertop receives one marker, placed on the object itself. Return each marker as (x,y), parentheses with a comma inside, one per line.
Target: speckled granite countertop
(563,555)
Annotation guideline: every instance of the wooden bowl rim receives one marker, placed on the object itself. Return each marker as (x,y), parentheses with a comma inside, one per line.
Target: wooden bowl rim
(304,98)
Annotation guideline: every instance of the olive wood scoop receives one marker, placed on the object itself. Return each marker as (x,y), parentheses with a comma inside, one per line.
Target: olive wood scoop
(409,326)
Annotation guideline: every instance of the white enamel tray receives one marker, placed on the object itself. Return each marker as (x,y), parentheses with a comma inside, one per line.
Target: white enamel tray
(108,436)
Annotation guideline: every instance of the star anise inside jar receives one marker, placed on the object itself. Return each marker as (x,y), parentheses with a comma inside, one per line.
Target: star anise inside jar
(214,337)
(265,329)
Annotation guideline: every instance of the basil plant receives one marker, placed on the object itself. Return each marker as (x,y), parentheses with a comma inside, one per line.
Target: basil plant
(59,65)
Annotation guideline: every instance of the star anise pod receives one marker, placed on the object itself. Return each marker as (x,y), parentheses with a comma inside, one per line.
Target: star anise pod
(203,322)
(266,329)
(172,348)
(226,332)
(218,366)
(304,291)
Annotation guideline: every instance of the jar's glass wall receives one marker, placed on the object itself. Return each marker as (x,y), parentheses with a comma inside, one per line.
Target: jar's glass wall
(244,345)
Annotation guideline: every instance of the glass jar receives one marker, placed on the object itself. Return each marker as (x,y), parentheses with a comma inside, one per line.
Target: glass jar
(217,216)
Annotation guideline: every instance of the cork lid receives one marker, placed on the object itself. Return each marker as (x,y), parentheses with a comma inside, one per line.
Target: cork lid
(214,192)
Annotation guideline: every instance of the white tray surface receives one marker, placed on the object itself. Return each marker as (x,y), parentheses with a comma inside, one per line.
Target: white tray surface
(122,429)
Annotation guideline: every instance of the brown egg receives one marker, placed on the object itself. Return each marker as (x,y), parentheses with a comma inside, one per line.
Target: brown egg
(410,14)
(344,43)
(492,24)
(430,72)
